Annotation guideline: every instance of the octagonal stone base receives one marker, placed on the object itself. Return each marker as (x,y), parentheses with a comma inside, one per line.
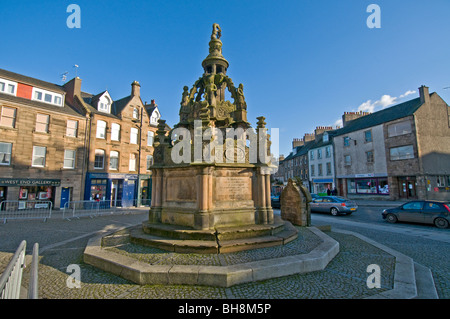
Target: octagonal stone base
(195,269)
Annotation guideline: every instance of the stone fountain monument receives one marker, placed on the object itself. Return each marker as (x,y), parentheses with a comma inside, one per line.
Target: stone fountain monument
(211,175)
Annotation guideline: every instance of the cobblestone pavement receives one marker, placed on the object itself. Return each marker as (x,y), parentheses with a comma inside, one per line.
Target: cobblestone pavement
(62,243)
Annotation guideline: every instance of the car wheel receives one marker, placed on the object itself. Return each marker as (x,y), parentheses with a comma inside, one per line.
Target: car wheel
(334,211)
(441,222)
(391,218)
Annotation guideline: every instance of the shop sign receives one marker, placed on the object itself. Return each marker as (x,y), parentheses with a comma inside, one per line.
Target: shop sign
(29,182)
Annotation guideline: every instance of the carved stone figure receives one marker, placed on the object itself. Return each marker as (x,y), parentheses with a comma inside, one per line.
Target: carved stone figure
(217,32)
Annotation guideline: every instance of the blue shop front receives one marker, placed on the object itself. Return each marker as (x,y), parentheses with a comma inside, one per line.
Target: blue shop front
(118,189)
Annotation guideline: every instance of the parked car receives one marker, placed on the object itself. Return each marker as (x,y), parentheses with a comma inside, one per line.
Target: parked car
(314,195)
(425,212)
(275,201)
(333,204)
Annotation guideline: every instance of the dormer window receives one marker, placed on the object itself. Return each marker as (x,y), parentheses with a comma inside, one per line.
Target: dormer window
(104,103)
(47,97)
(8,87)
(155,117)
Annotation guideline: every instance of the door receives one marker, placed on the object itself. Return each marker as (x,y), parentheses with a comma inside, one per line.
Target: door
(65,196)
(407,187)
(412,212)
(116,192)
(3,190)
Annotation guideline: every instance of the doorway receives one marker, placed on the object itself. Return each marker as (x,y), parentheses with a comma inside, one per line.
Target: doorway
(66,196)
(116,192)
(407,187)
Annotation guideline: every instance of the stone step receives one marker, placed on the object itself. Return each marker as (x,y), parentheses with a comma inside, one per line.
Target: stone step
(137,236)
(178,232)
(281,238)
(181,245)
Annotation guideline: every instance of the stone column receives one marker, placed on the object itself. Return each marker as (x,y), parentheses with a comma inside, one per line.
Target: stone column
(155,210)
(269,209)
(261,188)
(201,218)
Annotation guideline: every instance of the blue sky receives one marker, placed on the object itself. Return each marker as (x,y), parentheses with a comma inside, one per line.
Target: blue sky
(303,63)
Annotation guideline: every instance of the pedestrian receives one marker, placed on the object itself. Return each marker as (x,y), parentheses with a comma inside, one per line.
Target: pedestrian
(328,191)
(97,197)
(334,192)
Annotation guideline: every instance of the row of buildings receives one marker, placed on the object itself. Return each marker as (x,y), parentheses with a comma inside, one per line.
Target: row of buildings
(62,144)
(400,152)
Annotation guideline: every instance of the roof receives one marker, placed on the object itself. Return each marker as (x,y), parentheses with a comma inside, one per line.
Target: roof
(387,115)
(31,81)
(66,109)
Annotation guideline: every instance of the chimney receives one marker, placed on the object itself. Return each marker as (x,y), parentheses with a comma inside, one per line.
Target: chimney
(424,94)
(73,87)
(297,142)
(350,116)
(308,137)
(135,89)
(281,158)
(320,129)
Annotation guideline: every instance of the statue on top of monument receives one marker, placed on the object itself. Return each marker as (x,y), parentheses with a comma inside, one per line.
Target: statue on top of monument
(217,32)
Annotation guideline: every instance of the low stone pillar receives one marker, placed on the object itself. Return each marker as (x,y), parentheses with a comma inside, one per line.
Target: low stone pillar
(294,201)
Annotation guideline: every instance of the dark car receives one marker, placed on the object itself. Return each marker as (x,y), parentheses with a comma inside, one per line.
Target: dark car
(424,212)
(334,205)
(275,201)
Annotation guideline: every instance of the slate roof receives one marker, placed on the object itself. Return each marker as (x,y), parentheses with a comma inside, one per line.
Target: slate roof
(31,81)
(388,114)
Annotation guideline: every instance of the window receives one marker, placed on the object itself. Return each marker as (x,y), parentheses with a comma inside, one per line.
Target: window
(2,87)
(134,135)
(319,169)
(72,128)
(319,153)
(42,123)
(347,160)
(38,95)
(39,153)
(114,160)
(48,98)
(400,128)
(413,206)
(368,186)
(328,152)
(328,169)
(150,138)
(311,155)
(115,132)
(132,162)
(154,118)
(135,113)
(149,162)
(57,100)
(99,159)
(5,153)
(368,136)
(346,141)
(369,156)
(69,159)
(401,153)
(8,116)
(440,181)
(101,129)
(312,170)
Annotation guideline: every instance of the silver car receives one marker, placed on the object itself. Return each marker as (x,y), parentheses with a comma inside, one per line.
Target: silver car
(334,205)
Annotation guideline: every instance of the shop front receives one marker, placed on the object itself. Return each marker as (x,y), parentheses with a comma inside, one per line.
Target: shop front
(120,190)
(26,190)
(320,186)
(365,185)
